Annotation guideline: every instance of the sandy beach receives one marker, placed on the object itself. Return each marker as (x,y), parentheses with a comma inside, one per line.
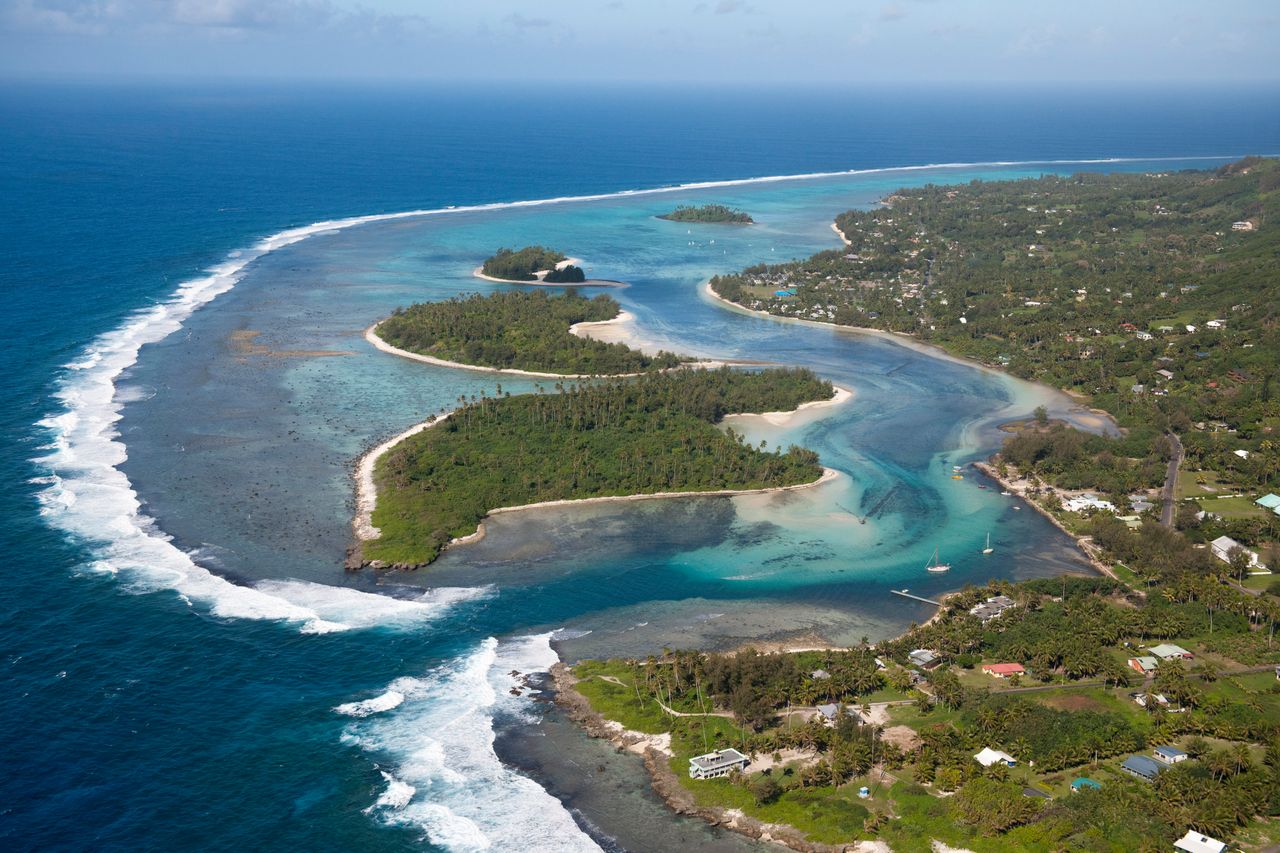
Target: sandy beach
(1090,418)
(371,335)
(367,490)
(478,272)
(793,417)
(840,234)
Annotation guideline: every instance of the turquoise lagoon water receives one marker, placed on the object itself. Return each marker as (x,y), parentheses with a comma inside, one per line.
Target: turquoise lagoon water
(259,486)
(187,664)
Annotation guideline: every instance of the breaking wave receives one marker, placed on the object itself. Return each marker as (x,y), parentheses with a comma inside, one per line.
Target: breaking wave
(435,746)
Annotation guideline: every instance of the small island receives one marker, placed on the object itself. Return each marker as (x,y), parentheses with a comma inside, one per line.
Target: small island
(532,264)
(655,435)
(709,213)
(525,332)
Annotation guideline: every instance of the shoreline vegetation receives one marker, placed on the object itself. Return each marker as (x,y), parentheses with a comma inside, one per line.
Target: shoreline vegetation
(938,268)
(708,214)
(637,439)
(818,725)
(531,264)
(524,333)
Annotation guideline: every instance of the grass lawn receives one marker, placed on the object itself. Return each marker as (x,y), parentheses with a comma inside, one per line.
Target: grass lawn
(1187,487)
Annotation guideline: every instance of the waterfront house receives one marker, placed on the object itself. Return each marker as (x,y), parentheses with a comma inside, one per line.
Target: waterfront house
(1170,754)
(1144,664)
(992,607)
(1197,842)
(1003,670)
(1087,501)
(1141,767)
(990,756)
(1168,651)
(722,762)
(924,658)
(829,712)
(1084,783)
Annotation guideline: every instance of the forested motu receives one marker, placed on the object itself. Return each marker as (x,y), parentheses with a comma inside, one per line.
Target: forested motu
(520,331)
(521,264)
(655,433)
(717,213)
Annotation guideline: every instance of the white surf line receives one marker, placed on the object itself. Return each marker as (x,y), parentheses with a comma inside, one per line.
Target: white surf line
(89,496)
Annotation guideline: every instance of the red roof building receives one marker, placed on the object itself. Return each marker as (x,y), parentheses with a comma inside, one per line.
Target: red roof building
(1003,670)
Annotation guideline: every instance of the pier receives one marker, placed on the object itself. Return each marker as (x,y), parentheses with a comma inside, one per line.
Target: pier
(905,594)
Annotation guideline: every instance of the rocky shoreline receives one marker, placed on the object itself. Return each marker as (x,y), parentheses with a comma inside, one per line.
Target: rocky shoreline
(665,782)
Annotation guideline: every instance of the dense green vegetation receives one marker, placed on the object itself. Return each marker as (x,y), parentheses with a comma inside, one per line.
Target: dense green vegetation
(521,331)
(1074,635)
(655,433)
(568,274)
(708,213)
(1090,282)
(521,264)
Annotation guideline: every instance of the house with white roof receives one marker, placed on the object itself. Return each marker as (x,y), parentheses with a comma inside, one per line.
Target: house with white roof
(722,762)
(990,756)
(1198,842)
(1086,502)
(1224,545)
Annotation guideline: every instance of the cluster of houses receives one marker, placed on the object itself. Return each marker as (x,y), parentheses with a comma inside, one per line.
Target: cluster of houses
(1148,663)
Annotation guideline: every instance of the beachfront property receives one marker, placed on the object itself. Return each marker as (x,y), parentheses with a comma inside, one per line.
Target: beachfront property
(1170,754)
(1084,783)
(990,756)
(924,658)
(1224,545)
(1197,842)
(1003,670)
(1142,767)
(1168,651)
(829,712)
(992,607)
(1087,501)
(722,762)
(1144,664)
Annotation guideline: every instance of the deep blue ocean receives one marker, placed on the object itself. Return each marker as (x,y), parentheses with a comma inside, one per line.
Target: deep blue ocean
(145,713)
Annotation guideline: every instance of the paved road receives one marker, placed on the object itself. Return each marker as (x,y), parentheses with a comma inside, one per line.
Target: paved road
(1171,482)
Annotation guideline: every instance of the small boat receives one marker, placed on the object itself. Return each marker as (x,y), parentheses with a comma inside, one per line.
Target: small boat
(1017,507)
(936,567)
(1007,493)
(956,468)
(981,487)
(988,549)
(956,477)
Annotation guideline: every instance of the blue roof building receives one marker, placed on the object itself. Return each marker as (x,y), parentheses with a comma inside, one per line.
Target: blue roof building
(1142,767)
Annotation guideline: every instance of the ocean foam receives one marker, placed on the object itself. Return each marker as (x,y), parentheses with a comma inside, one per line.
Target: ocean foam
(439,743)
(90,497)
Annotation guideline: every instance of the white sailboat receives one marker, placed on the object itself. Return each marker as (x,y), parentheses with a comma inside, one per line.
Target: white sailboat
(935,566)
(988,549)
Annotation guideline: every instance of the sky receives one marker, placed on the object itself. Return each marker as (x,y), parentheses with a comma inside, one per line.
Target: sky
(844,42)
